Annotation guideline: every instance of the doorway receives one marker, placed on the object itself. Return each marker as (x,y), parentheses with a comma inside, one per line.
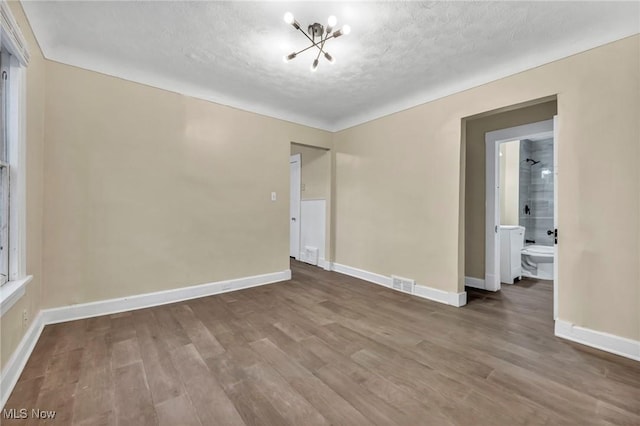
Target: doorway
(312,204)
(513,247)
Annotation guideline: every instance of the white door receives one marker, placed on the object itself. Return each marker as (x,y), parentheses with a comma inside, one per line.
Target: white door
(294,209)
(555,217)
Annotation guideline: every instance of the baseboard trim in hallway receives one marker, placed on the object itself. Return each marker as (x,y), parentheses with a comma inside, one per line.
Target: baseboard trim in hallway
(448,298)
(627,348)
(475,283)
(12,370)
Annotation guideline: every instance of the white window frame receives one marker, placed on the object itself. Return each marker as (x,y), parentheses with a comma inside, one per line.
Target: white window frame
(13,42)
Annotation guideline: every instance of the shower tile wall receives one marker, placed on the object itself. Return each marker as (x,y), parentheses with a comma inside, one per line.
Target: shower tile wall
(536,190)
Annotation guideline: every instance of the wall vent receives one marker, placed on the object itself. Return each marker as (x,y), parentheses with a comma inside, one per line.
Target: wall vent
(310,255)
(402,284)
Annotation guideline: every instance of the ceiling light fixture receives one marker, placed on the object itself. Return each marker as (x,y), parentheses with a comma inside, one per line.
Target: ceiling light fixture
(320,32)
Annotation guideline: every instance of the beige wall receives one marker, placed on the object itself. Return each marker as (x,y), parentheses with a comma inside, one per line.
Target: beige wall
(11,328)
(149,190)
(509,183)
(475,174)
(399,211)
(315,171)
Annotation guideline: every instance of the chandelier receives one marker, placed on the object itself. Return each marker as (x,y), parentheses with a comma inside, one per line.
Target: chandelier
(319,32)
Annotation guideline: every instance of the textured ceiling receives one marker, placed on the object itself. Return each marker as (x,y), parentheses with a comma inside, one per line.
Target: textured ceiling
(399,54)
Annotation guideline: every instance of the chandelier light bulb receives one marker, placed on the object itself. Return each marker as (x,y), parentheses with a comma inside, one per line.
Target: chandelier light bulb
(329,58)
(289,57)
(346,30)
(332,21)
(314,66)
(288,18)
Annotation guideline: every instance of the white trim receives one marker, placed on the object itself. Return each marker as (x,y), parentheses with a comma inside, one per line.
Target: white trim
(474,282)
(11,35)
(434,294)
(296,159)
(16,142)
(448,298)
(17,159)
(372,277)
(555,217)
(13,368)
(492,198)
(322,262)
(11,292)
(597,339)
(325,264)
(129,303)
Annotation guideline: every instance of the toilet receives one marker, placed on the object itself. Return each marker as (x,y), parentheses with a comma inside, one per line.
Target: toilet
(537,261)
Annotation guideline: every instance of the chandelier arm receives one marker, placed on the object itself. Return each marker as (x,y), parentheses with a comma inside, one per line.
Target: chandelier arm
(314,45)
(305,49)
(307,36)
(322,47)
(318,43)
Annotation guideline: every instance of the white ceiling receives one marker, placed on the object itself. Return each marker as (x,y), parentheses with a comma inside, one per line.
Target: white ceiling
(399,54)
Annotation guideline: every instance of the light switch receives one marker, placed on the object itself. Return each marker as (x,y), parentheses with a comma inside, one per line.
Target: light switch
(273,196)
(302,187)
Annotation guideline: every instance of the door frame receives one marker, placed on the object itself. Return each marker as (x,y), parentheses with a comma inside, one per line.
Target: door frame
(293,195)
(492,194)
(555,216)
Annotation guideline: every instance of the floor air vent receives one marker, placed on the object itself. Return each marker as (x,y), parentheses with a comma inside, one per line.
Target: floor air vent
(402,284)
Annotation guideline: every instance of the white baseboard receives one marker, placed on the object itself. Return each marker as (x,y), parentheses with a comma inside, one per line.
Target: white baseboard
(493,282)
(129,303)
(474,282)
(597,339)
(325,264)
(448,298)
(372,277)
(13,368)
(322,263)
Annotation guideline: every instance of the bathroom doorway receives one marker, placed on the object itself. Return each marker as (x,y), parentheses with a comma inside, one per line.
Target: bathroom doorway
(312,204)
(521,206)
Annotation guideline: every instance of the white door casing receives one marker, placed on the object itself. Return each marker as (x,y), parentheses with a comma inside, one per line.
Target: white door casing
(555,216)
(294,206)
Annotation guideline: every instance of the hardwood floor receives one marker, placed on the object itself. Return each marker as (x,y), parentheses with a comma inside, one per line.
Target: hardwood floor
(325,348)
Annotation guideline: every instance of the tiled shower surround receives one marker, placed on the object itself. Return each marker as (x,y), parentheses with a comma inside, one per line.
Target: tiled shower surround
(536,190)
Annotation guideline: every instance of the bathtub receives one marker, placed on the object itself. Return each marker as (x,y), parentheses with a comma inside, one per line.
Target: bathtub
(537,262)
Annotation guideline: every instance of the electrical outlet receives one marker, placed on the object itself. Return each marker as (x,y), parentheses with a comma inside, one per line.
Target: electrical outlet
(25,318)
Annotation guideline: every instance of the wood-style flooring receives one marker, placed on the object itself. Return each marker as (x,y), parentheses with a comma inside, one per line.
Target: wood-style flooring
(326,348)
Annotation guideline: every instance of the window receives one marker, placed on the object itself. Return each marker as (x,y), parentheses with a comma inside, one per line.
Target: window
(13,62)
(4,169)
